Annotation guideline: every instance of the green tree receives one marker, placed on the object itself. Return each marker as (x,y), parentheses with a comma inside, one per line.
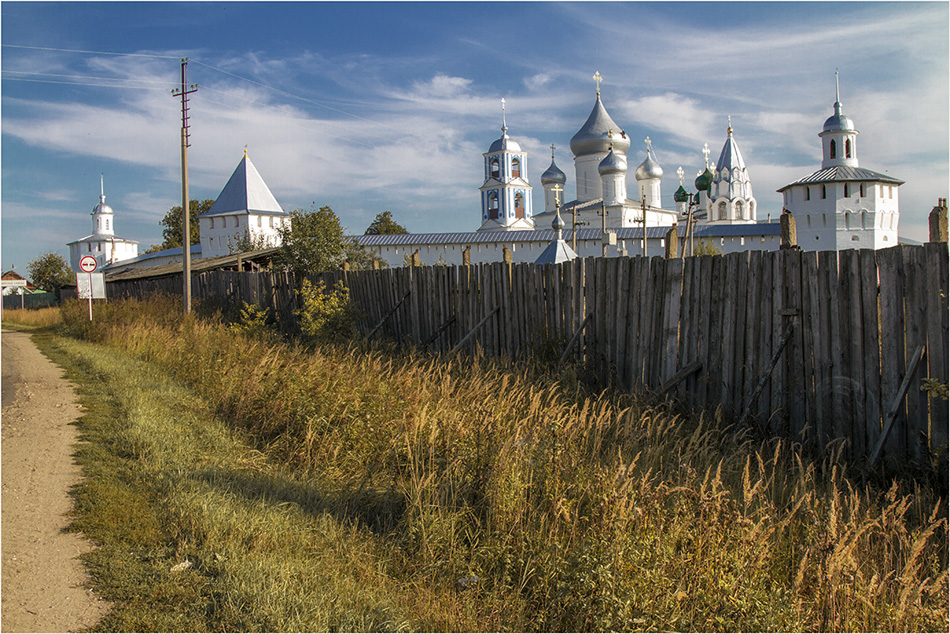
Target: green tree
(50,271)
(384,224)
(313,242)
(172,233)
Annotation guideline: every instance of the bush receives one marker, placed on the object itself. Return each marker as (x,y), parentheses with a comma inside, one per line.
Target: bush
(326,316)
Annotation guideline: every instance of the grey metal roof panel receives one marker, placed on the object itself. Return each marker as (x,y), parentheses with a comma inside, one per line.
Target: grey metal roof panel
(844,173)
(547,235)
(245,191)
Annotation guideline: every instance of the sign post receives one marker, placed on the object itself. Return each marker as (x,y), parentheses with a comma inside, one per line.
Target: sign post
(88,264)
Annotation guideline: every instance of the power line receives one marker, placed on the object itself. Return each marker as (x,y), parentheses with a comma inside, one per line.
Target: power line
(141,81)
(71,50)
(76,83)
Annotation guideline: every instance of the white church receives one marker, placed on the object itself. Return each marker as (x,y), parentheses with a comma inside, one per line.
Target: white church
(839,206)
(102,243)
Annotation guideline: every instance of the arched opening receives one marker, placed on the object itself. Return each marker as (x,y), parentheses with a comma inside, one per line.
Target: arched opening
(493,206)
(847,148)
(740,211)
(833,149)
(494,168)
(515,168)
(519,206)
(722,211)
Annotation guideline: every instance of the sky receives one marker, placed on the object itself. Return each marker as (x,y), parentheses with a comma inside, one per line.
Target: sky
(369,107)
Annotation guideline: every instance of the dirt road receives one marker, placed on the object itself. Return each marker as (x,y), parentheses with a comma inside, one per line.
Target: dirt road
(43,581)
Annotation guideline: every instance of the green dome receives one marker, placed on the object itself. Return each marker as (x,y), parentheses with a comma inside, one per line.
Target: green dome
(681,195)
(703,181)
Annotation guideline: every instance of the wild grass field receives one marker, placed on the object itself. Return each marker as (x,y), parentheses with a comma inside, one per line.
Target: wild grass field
(345,486)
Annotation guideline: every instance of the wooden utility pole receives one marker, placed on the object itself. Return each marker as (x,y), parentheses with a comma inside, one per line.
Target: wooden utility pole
(183,92)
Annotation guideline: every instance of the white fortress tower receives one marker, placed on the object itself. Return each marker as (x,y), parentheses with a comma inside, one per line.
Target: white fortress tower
(245,207)
(842,205)
(102,244)
(506,193)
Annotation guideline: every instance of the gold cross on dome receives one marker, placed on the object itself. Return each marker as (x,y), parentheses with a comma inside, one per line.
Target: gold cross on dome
(552,151)
(557,194)
(706,153)
(680,172)
(648,142)
(598,79)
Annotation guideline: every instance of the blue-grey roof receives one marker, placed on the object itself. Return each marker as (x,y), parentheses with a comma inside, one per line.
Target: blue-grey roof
(547,235)
(844,173)
(556,252)
(245,191)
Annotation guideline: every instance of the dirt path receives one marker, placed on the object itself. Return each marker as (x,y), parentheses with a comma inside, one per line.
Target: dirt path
(43,581)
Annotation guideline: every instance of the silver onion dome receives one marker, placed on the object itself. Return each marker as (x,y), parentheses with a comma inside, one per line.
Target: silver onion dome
(838,121)
(553,175)
(648,169)
(505,143)
(102,207)
(598,133)
(613,163)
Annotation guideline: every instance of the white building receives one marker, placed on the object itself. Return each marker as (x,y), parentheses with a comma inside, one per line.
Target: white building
(842,205)
(102,244)
(245,207)
(506,194)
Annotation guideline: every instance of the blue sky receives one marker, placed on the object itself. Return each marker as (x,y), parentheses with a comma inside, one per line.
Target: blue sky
(369,107)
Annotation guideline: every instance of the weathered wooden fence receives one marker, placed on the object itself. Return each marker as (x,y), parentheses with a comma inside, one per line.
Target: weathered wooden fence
(813,346)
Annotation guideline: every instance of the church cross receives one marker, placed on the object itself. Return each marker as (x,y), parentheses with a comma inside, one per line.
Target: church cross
(706,153)
(679,172)
(648,142)
(557,194)
(504,124)
(598,79)
(552,151)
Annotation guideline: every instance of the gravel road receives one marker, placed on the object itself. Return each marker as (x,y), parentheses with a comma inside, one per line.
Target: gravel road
(44,585)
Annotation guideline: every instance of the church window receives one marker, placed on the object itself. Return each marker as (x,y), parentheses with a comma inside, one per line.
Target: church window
(494,168)
(824,192)
(258,221)
(739,210)
(861,190)
(722,211)
(211,226)
(107,224)
(833,150)
(519,206)
(847,190)
(515,168)
(847,148)
(493,206)
(807,192)
(890,191)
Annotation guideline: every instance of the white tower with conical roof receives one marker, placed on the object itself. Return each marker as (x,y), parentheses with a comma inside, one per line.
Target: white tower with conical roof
(843,205)
(506,193)
(730,192)
(244,208)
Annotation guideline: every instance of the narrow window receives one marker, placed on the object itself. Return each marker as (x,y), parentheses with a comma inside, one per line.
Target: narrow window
(722,211)
(211,226)
(847,190)
(861,190)
(493,206)
(847,148)
(833,150)
(515,168)
(824,192)
(519,206)
(258,221)
(807,192)
(494,168)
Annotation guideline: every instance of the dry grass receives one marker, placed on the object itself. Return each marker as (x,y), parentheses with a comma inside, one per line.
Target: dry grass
(30,318)
(505,499)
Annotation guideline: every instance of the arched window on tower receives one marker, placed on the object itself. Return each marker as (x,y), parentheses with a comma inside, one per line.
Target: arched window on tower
(515,168)
(495,172)
(722,211)
(740,208)
(493,206)
(519,205)
(833,150)
(847,148)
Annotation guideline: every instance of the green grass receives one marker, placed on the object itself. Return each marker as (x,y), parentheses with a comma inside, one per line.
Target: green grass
(340,487)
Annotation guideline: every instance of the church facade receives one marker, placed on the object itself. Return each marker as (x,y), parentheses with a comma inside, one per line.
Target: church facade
(102,244)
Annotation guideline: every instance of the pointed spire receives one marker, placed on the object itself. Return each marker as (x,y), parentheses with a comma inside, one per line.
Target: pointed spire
(504,122)
(729,129)
(102,188)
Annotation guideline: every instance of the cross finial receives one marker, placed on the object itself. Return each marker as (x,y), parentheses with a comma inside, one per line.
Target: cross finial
(598,79)
(102,186)
(557,195)
(680,172)
(706,153)
(552,151)
(245,151)
(837,95)
(729,130)
(649,143)
(504,123)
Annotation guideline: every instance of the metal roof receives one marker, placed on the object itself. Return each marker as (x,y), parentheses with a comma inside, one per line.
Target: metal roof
(547,235)
(102,237)
(245,191)
(198,265)
(844,173)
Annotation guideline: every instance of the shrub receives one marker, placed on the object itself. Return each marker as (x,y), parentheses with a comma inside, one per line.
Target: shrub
(326,316)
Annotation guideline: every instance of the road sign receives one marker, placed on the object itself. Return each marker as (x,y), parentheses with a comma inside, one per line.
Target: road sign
(91,286)
(88,263)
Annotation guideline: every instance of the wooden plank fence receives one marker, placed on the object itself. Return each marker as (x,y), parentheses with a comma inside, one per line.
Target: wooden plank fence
(837,329)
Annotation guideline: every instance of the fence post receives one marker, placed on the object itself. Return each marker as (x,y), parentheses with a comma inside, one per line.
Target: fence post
(789,232)
(938,221)
(672,242)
